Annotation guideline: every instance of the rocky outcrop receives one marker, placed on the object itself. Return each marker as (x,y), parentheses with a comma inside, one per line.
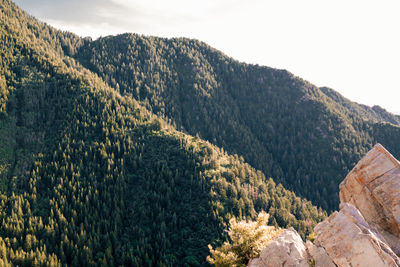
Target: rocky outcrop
(373,187)
(366,230)
(349,240)
(287,249)
(318,256)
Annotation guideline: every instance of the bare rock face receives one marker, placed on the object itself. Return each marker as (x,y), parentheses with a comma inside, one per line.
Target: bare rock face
(373,187)
(319,257)
(366,230)
(349,240)
(287,250)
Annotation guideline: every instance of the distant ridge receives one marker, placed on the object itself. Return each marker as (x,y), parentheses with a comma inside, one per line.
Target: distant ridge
(374,113)
(89,177)
(303,136)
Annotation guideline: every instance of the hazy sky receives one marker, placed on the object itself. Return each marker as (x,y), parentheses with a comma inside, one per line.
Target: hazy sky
(351,46)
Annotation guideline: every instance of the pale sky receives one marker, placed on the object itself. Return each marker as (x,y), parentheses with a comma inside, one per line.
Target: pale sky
(351,46)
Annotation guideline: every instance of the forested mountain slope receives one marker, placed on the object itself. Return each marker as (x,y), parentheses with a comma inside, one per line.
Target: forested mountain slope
(305,137)
(375,113)
(91,178)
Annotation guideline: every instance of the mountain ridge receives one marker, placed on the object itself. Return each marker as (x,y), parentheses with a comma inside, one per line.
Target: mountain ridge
(375,112)
(274,119)
(91,177)
(82,145)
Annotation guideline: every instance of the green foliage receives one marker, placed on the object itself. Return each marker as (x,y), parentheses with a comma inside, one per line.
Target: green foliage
(247,240)
(305,137)
(311,237)
(7,145)
(376,113)
(89,177)
(3,96)
(94,179)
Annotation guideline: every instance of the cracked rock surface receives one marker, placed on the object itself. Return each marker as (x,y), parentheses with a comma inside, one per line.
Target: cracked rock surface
(366,230)
(349,240)
(373,187)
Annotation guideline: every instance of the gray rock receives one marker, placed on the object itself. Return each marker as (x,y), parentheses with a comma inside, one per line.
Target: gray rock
(287,250)
(319,256)
(373,187)
(366,230)
(350,241)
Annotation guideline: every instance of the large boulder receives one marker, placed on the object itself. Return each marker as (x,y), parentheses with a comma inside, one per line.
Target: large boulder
(373,187)
(366,230)
(286,250)
(349,240)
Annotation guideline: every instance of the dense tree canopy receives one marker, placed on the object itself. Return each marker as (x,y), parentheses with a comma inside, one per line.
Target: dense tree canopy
(92,178)
(93,171)
(305,137)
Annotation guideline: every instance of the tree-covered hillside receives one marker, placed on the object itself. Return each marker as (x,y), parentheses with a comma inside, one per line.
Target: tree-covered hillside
(375,113)
(304,137)
(91,178)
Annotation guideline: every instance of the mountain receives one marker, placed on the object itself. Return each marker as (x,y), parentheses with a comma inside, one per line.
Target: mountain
(305,137)
(90,177)
(375,113)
